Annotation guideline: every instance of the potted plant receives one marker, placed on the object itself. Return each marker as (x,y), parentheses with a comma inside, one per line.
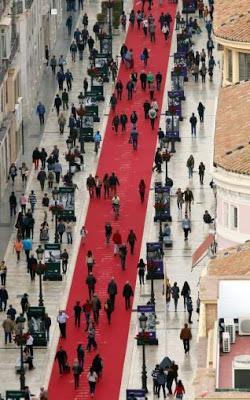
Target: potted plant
(101,18)
(117,6)
(116,21)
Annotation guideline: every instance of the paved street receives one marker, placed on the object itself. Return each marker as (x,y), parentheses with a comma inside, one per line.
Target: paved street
(177,259)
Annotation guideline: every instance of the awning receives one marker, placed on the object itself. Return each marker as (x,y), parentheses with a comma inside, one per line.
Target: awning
(200,252)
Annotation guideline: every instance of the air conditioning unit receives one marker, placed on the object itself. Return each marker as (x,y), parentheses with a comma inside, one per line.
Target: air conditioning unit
(241,372)
(225,342)
(244,326)
(230,328)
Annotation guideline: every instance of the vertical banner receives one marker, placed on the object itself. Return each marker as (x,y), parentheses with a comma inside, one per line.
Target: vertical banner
(135,394)
(155,266)
(148,335)
(67,199)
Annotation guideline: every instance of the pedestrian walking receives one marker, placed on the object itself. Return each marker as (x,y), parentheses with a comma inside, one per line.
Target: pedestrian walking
(131,239)
(65,260)
(193,122)
(201,109)
(47,325)
(188,198)
(77,370)
(175,290)
(18,247)
(189,309)
(154,376)
(185,293)
(69,23)
(201,172)
(3,298)
(117,240)
(62,359)
(8,327)
(41,177)
(161,382)
(116,122)
(96,306)
(186,226)
(190,166)
(123,121)
(127,294)
(91,337)
(143,79)
(80,355)
(158,78)
(108,308)
(186,336)
(134,138)
(91,282)
(112,291)
(123,255)
(152,116)
(40,110)
(90,261)
(92,379)
(179,198)
(142,189)
(141,267)
(108,232)
(57,104)
(13,204)
(62,320)
(179,390)
(77,314)
(119,89)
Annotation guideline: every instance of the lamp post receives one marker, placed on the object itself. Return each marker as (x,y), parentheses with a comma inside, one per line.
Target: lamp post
(143,323)
(151,269)
(55,208)
(21,340)
(166,157)
(40,268)
(110,6)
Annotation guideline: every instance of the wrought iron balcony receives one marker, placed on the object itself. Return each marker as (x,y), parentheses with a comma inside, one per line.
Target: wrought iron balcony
(3,4)
(28,3)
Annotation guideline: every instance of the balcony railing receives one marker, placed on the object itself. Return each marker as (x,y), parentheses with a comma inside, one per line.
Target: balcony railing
(28,3)
(3,70)
(3,4)
(6,62)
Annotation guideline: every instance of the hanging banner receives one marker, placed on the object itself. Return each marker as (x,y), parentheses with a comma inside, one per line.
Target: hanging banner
(135,394)
(155,266)
(172,126)
(67,199)
(148,335)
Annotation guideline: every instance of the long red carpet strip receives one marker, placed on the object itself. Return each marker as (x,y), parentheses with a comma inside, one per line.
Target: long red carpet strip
(130,166)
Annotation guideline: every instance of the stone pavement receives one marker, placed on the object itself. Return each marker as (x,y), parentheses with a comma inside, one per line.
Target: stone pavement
(32,131)
(177,259)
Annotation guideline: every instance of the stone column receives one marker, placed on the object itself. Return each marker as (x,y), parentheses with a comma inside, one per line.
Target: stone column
(235,63)
(225,66)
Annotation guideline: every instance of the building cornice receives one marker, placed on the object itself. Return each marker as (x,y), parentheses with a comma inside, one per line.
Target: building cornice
(234,45)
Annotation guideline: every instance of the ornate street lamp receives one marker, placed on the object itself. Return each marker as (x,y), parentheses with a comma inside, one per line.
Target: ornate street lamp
(166,157)
(20,340)
(110,6)
(56,209)
(40,268)
(143,324)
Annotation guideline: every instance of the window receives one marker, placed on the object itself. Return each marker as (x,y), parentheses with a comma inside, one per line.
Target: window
(230,66)
(3,47)
(244,67)
(233,217)
(225,215)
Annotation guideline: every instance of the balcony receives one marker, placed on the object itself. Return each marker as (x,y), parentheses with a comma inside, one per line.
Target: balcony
(3,4)
(5,63)
(28,4)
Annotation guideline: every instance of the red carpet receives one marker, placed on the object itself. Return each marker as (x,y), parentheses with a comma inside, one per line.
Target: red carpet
(130,166)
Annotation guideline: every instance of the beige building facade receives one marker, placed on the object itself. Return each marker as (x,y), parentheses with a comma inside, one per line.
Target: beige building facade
(232,32)
(26,27)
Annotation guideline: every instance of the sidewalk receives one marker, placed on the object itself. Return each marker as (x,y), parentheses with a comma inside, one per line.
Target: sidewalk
(32,131)
(18,281)
(177,260)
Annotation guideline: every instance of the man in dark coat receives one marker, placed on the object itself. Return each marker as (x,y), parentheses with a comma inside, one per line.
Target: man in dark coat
(112,291)
(127,293)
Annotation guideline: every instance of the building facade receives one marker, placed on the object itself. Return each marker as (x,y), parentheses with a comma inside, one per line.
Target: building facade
(231,167)
(232,32)
(221,291)
(26,27)
(10,92)
(37,24)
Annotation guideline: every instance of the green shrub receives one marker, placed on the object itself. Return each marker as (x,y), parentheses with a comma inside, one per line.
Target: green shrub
(116,19)
(100,18)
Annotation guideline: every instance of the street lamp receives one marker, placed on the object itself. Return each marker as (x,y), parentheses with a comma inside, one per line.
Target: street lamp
(143,323)
(110,6)
(39,269)
(21,341)
(55,209)
(151,269)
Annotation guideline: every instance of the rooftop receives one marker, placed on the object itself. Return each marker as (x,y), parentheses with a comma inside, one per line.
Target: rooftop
(231,261)
(232,129)
(232,20)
